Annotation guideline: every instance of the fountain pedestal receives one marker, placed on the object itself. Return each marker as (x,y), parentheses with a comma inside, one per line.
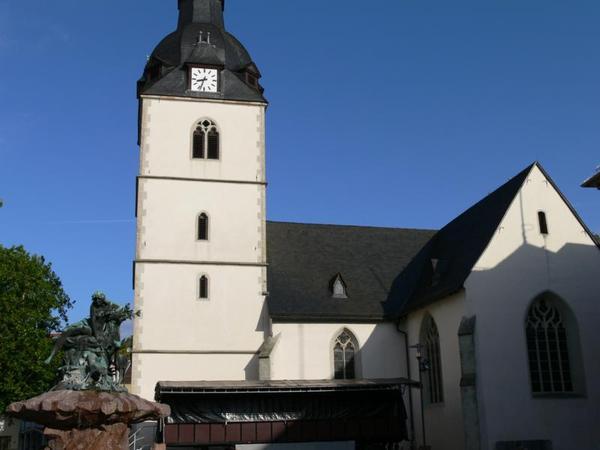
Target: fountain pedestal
(87,420)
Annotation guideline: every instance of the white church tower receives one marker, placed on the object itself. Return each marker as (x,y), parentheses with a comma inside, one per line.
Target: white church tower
(200,268)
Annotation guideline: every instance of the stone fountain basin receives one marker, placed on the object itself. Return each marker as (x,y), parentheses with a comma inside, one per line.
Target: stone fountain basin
(66,410)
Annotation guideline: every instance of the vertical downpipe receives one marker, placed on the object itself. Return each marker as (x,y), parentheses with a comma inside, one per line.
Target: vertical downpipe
(410,398)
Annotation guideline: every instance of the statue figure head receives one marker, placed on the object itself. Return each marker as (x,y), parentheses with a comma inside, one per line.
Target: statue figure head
(99,298)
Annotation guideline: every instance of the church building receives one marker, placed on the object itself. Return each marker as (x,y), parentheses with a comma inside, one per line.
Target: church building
(269,335)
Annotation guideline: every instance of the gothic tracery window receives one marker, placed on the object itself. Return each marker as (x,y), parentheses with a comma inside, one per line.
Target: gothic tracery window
(206,141)
(430,341)
(344,356)
(547,348)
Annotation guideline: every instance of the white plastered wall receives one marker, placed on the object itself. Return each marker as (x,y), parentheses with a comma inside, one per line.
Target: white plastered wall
(231,318)
(177,336)
(167,127)
(443,421)
(171,210)
(192,367)
(519,264)
(304,351)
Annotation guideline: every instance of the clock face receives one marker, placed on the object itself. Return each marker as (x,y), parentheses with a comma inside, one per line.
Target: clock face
(204,80)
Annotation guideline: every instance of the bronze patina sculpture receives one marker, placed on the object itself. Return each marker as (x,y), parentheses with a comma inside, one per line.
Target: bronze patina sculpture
(89,409)
(91,349)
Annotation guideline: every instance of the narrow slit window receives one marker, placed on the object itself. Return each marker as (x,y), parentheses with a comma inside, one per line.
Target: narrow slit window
(203,287)
(203,227)
(213,144)
(198,150)
(543,222)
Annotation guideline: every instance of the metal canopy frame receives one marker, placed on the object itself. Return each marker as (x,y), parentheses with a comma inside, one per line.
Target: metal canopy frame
(283,386)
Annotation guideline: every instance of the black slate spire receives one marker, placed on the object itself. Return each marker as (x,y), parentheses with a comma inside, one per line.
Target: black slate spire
(201,11)
(201,40)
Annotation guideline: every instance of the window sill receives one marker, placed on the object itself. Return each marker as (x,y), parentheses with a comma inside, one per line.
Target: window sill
(553,396)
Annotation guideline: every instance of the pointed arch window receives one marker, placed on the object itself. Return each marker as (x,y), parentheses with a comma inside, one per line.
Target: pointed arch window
(206,141)
(344,356)
(430,342)
(338,287)
(203,227)
(203,288)
(548,337)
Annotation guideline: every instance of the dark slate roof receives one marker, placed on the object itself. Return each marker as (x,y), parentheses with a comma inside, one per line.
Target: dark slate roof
(166,72)
(389,272)
(304,258)
(593,181)
(455,249)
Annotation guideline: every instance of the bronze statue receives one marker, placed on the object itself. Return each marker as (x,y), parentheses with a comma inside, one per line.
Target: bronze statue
(91,349)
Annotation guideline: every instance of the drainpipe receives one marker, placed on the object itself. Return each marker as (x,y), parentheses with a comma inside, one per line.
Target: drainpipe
(420,365)
(410,397)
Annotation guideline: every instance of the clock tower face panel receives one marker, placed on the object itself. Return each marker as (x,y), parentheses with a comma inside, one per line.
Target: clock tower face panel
(204,79)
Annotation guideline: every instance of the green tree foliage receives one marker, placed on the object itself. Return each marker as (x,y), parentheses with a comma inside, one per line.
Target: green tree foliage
(33,305)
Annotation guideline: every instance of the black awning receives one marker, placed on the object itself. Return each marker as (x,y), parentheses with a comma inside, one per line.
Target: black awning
(344,408)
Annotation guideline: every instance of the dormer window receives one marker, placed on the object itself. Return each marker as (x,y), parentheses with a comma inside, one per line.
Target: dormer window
(251,76)
(338,287)
(154,71)
(252,80)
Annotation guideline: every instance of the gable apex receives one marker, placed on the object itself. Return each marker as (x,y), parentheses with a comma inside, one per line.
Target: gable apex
(567,203)
(459,245)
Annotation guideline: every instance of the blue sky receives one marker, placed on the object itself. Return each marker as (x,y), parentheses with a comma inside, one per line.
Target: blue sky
(392,113)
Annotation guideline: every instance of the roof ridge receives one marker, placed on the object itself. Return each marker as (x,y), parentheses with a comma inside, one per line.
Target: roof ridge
(500,188)
(350,226)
